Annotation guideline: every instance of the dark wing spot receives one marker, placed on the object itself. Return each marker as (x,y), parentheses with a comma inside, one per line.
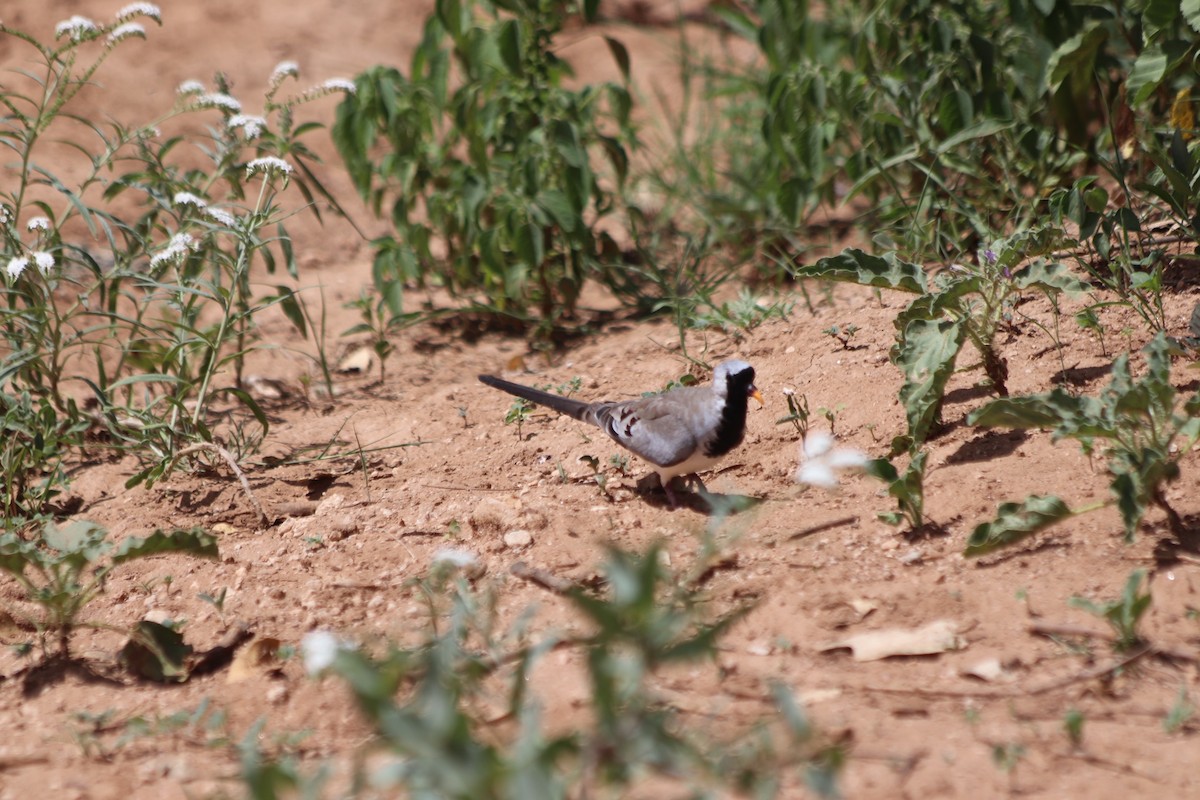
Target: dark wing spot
(633,420)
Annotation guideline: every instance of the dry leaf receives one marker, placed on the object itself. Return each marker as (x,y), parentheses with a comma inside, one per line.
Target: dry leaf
(936,637)
(258,658)
(989,669)
(357,361)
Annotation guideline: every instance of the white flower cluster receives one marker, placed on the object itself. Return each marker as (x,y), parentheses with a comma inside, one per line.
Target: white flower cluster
(76,27)
(283,70)
(181,244)
(140,10)
(17,265)
(38,224)
(268,164)
(340,85)
(189,199)
(5,215)
(190,87)
(251,125)
(223,217)
(125,30)
(200,204)
(219,100)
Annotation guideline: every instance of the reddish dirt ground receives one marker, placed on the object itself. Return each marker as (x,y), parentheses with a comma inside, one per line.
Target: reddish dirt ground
(448,472)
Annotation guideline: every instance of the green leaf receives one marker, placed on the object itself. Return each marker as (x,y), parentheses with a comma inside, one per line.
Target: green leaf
(855,266)
(1050,277)
(1015,522)
(1157,17)
(16,554)
(450,14)
(290,303)
(1147,73)
(926,355)
(157,652)
(1076,56)
(194,542)
(508,39)
(1191,12)
(620,55)
(75,537)
(558,206)
(1065,414)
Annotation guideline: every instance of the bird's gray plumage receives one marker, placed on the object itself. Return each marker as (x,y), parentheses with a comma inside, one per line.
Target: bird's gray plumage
(680,432)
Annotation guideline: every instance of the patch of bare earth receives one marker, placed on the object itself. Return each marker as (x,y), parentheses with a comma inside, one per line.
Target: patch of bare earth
(445,471)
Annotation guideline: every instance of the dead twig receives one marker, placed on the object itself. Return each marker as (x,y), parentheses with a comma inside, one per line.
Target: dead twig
(228,458)
(542,578)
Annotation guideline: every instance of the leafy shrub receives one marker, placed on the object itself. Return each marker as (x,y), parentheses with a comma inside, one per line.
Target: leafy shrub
(145,312)
(493,187)
(1145,430)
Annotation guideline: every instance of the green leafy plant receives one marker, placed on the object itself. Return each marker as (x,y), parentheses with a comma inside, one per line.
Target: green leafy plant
(154,302)
(1144,429)
(423,701)
(961,304)
(843,335)
(1182,711)
(66,567)
(490,177)
(517,413)
(37,440)
(907,488)
(1122,614)
(798,412)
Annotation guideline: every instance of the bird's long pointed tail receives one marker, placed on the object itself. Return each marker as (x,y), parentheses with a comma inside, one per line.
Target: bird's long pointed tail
(563,405)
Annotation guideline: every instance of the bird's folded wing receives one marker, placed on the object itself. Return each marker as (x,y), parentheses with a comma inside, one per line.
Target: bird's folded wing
(654,428)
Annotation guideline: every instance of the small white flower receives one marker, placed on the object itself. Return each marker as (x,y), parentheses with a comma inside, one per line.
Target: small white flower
(284,69)
(219,100)
(16,266)
(340,85)
(821,460)
(5,215)
(125,30)
(44,260)
(251,125)
(189,199)
(223,217)
(319,649)
(76,26)
(455,557)
(38,224)
(190,87)
(268,164)
(180,244)
(140,10)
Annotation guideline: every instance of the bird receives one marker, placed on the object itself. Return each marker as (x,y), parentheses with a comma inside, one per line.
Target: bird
(680,432)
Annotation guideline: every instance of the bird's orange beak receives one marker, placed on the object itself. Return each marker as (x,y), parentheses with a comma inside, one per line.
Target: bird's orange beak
(757,395)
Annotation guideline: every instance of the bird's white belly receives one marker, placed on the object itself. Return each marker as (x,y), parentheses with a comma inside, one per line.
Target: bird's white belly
(696,462)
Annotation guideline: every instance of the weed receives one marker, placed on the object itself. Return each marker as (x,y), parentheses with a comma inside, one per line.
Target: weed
(494,167)
(843,335)
(907,488)
(148,314)
(1122,614)
(517,413)
(1181,712)
(964,303)
(53,572)
(797,412)
(1073,726)
(1146,431)
(424,701)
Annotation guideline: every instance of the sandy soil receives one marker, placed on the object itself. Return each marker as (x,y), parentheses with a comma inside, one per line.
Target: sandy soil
(449,472)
